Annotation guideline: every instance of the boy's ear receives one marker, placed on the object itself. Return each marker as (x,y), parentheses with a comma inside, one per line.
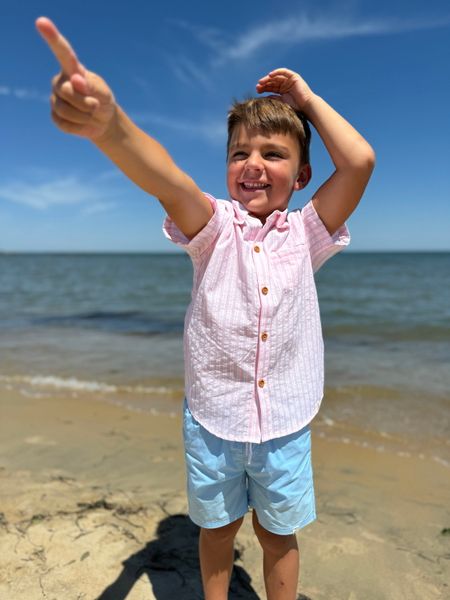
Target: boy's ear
(303,177)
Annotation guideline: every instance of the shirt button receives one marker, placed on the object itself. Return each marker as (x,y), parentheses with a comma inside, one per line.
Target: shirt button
(256,248)
(265,290)
(264,336)
(261,383)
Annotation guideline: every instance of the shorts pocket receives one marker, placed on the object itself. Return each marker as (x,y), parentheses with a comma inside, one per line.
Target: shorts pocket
(189,423)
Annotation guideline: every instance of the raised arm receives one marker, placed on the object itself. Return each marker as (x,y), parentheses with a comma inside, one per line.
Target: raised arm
(84,105)
(351,154)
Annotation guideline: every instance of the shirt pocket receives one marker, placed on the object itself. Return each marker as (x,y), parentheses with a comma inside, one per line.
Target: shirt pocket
(292,261)
(296,249)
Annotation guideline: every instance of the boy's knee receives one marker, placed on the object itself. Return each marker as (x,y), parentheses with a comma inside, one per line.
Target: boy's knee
(224,532)
(273,542)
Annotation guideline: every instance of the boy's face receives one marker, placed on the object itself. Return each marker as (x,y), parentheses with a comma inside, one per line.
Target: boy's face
(263,171)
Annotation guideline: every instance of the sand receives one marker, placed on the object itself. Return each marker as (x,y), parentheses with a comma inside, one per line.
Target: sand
(93,506)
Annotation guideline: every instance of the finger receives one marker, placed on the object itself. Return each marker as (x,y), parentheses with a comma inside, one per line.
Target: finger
(67,92)
(267,84)
(67,112)
(274,73)
(268,87)
(60,47)
(278,78)
(80,84)
(66,126)
(282,71)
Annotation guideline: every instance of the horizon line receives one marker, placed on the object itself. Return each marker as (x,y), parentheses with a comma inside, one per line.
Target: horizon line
(176,253)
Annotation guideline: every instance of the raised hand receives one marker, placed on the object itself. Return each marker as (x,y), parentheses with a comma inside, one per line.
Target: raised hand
(291,88)
(81,101)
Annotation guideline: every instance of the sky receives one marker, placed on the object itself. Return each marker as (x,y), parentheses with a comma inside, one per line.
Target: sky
(175,67)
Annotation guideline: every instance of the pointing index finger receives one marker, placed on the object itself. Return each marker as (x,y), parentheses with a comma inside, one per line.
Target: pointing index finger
(60,47)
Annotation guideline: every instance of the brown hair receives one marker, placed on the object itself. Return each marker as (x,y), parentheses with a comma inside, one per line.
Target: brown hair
(270,115)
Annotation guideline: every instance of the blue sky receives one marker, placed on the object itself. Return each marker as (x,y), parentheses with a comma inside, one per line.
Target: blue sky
(175,67)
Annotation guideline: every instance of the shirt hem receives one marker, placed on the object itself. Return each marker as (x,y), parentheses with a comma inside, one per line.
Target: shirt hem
(246,440)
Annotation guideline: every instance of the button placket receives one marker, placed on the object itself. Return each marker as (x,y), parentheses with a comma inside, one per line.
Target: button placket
(262,356)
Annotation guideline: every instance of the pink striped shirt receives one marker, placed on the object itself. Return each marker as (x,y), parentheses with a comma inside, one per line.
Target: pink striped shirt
(253,346)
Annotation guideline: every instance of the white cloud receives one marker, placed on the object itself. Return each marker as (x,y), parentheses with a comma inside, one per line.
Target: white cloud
(23,93)
(189,73)
(98,207)
(60,192)
(108,175)
(298,30)
(212,131)
(209,36)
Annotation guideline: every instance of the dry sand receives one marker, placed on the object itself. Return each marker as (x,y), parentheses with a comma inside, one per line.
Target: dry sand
(93,506)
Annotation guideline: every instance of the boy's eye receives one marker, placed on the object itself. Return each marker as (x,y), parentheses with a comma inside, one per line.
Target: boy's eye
(271,153)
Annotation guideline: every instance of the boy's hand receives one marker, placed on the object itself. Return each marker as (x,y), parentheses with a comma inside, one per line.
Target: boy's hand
(292,88)
(81,101)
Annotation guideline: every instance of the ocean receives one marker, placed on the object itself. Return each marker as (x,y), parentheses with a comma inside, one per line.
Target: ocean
(111,325)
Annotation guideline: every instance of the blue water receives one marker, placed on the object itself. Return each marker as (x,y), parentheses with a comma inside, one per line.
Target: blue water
(115,322)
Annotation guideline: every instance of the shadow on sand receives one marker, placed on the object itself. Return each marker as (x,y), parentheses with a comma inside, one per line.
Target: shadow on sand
(172,565)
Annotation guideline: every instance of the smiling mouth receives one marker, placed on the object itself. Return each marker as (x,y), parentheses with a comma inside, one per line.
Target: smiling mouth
(254,187)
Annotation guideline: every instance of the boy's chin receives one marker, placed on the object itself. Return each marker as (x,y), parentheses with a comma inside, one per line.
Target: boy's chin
(255,201)
(256,210)
(254,207)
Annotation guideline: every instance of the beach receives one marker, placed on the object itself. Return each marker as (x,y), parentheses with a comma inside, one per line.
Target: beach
(94,507)
(92,497)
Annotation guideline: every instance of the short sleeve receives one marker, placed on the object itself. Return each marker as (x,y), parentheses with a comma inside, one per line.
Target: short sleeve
(322,245)
(204,238)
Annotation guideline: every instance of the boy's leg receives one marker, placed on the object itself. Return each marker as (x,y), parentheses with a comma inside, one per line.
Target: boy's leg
(216,550)
(281,492)
(281,562)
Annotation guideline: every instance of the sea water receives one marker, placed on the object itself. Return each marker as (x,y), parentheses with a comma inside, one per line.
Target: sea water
(112,325)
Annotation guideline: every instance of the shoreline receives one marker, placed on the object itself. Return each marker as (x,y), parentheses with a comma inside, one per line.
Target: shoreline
(93,504)
(340,416)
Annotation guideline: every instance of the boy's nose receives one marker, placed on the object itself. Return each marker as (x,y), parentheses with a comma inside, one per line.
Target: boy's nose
(253,163)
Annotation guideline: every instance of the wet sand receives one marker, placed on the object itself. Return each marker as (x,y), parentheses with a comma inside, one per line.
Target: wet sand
(93,506)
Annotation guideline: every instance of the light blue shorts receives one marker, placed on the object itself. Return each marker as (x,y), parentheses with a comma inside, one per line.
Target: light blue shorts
(225,478)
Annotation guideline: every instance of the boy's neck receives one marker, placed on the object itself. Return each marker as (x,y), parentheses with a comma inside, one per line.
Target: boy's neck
(260,218)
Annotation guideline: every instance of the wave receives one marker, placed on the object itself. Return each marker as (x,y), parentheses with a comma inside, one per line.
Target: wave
(77,385)
(439,332)
(130,322)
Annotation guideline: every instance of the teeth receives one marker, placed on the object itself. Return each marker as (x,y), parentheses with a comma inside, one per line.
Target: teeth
(255,186)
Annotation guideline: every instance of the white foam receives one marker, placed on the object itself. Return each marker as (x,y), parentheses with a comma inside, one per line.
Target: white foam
(28,394)
(441,461)
(74,384)
(141,389)
(68,383)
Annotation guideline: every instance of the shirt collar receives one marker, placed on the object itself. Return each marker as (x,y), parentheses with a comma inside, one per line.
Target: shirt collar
(276,219)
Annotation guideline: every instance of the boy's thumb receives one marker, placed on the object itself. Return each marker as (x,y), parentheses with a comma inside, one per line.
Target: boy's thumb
(80,84)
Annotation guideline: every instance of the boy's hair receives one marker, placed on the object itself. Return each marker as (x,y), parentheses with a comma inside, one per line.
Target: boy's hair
(270,115)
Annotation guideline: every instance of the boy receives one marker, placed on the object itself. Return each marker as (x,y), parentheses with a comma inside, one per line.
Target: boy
(253,341)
